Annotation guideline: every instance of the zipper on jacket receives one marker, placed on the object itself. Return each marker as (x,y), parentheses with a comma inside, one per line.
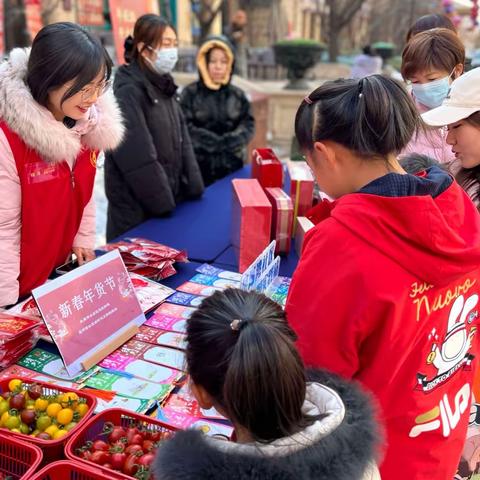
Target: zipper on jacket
(72,178)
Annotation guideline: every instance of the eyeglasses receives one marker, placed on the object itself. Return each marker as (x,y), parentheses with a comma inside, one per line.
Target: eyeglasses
(88,92)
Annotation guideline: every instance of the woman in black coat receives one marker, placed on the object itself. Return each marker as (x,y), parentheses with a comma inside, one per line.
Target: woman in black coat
(218,114)
(155,167)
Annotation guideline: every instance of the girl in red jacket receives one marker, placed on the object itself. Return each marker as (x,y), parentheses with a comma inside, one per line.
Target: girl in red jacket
(386,291)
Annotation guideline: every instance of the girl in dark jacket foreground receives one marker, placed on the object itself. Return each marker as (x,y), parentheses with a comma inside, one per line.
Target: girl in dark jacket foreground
(242,360)
(218,114)
(155,167)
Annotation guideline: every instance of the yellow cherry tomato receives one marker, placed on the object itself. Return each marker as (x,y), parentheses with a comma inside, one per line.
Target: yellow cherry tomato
(15,384)
(65,416)
(41,404)
(82,409)
(53,409)
(59,434)
(69,399)
(51,430)
(4,417)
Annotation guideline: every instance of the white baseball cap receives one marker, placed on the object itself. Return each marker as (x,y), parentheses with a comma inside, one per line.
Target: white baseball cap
(463,100)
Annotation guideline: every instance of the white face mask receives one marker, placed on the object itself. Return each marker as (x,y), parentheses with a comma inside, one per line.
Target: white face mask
(166,59)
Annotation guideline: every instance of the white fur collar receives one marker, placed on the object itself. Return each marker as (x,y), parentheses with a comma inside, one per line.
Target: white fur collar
(37,127)
(320,400)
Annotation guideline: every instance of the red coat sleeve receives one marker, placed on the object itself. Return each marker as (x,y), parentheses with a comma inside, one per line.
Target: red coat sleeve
(326,306)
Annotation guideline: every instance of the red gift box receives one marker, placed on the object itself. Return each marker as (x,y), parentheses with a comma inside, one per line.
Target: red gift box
(301,183)
(282,219)
(267,168)
(251,221)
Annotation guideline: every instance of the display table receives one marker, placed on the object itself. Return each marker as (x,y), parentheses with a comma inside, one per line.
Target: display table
(203,228)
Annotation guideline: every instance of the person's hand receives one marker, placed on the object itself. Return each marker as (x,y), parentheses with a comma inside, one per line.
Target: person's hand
(84,255)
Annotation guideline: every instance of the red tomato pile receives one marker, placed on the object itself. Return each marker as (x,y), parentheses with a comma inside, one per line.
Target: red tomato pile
(127,450)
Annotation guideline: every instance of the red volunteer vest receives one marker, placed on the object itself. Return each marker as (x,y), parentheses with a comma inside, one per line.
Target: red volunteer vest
(53,201)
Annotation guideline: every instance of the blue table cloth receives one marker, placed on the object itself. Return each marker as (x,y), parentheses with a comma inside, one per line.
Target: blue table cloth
(201,227)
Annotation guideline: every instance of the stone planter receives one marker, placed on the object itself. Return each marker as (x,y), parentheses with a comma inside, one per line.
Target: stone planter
(297,56)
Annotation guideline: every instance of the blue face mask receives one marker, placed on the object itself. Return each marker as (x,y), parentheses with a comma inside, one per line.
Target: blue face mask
(432,94)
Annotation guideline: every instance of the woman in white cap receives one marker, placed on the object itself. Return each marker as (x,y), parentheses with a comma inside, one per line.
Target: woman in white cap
(460,111)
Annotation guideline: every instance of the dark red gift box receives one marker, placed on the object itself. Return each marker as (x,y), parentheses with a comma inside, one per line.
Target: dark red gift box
(251,221)
(267,168)
(282,219)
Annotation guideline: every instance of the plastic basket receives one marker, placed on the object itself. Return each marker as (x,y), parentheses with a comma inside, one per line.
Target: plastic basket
(68,470)
(18,459)
(94,426)
(52,449)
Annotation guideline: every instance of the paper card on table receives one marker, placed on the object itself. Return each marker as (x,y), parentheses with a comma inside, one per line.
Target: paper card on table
(127,386)
(167,322)
(135,405)
(216,282)
(278,290)
(51,364)
(17,371)
(198,289)
(158,337)
(89,309)
(212,271)
(150,294)
(183,421)
(185,402)
(120,362)
(169,357)
(178,311)
(186,299)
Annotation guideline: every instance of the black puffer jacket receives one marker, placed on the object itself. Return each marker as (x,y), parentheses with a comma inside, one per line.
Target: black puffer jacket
(155,167)
(219,118)
(341,445)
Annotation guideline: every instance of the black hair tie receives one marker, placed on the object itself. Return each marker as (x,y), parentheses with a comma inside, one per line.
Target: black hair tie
(128,44)
(360,88)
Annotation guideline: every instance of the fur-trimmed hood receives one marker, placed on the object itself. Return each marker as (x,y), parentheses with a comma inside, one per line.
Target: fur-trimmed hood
(342,444)
(214,42)
(38,128)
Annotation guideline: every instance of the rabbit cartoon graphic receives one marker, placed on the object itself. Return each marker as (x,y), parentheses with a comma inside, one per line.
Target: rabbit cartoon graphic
(450,352)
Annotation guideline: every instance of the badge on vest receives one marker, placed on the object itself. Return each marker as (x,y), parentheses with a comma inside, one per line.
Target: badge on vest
(93,158)
(37,172)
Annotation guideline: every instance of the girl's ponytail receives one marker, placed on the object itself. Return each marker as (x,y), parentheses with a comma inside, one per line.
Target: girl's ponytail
(241,350)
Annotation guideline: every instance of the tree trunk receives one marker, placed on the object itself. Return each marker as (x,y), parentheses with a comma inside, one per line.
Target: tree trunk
(333,34)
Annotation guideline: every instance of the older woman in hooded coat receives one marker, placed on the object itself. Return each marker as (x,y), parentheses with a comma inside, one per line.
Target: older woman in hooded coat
(218,114)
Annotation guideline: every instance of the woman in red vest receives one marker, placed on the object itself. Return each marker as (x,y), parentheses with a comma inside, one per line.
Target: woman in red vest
(54,120)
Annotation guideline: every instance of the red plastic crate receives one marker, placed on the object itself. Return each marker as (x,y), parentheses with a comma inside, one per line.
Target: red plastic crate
(18,459)
(68,470)
(117,416)
(52,449)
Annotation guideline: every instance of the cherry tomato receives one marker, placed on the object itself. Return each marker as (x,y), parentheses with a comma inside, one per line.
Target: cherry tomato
(53,409)
(86,455)
(116,434)
(118,460)
(131,466)
(136,439)
(65,416)
(15,385)
(134,449)
(43,422)
(17,402)
(118,447)
(100,445)
(41,404)
(28,416)
(34,391)
(131,432)
(148,445)
(44,436)
(156,436)
(100,457)
(81,409)
(146,459)
(12,422)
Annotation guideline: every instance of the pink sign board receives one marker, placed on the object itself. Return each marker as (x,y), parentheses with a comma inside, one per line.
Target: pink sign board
(89,308)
